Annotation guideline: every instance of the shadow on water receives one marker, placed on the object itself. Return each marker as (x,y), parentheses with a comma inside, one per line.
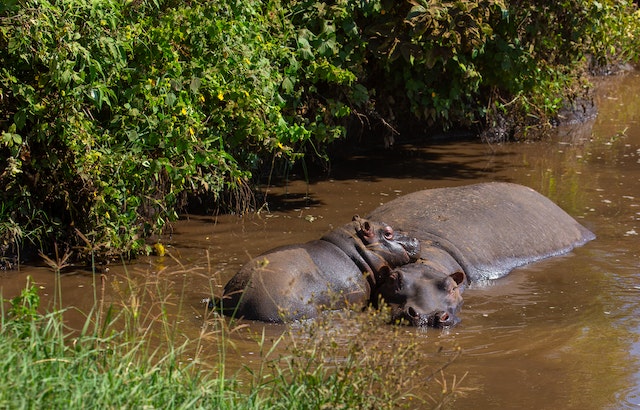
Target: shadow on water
(456,160)
(417,162)
(561,333)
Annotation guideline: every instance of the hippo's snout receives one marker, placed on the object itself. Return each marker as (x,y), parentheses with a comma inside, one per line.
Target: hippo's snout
(438,319)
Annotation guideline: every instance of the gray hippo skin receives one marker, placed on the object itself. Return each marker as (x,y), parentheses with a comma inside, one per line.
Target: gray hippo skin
(297,281)
(485,230)
(420,295)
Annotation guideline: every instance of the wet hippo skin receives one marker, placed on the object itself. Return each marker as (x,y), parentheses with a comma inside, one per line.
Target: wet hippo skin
(420,295)
(484,229)
(297,281)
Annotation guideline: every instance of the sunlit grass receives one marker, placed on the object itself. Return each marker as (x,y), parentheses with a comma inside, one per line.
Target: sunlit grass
(132,354)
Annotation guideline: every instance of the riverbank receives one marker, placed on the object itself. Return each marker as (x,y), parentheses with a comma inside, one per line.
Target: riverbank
(573,318)
(115,114)
(126,355)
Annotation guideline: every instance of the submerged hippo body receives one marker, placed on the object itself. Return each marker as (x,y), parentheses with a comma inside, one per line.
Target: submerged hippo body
(486,229)
(297,281)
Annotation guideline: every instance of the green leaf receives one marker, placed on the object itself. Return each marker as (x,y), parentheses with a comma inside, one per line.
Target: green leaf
(304,48)
(132,135)
(170,99)
(287,85)
(195,84)
(359,94)
(96,96)
(20,118)
(328,48)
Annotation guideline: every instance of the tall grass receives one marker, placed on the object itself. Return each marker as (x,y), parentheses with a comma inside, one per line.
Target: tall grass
(132,354)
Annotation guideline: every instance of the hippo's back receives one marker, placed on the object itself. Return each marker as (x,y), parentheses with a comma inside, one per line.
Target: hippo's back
(488,228)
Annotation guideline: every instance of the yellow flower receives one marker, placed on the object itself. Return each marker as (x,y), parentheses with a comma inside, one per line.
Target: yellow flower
(184,111)
(202,98)
(160,250)
(191,131)
(220,96)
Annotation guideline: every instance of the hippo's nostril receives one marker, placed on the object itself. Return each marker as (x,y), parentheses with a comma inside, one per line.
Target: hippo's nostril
(412,312)
(444,317)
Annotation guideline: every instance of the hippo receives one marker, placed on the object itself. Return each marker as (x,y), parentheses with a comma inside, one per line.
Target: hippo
(297,281)
(420,294)
(483,230)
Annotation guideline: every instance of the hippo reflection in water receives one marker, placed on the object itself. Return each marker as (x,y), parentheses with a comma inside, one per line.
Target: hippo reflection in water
(467,234)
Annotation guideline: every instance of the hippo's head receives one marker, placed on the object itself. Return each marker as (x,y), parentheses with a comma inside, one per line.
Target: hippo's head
(418,296)
(374,246)
(384,247)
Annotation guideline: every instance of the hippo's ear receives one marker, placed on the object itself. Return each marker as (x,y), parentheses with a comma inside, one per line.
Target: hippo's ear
(459,277)
(363,228)
(392,280)
(384,272)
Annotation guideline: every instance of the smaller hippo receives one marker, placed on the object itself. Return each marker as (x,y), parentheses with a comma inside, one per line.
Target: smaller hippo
(422,295)
(297,281)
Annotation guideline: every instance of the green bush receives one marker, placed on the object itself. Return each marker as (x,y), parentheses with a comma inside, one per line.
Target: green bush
(458,63)
(112,111)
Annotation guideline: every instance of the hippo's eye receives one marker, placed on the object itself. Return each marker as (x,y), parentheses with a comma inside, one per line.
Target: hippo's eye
(388,233)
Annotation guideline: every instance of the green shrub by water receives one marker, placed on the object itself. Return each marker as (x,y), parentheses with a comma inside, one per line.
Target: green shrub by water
(125,357)
(113,112)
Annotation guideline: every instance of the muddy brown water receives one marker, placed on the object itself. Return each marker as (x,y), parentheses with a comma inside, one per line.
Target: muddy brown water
(561,333)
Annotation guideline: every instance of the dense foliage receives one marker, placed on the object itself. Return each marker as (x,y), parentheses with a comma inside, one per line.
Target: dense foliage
(111,111)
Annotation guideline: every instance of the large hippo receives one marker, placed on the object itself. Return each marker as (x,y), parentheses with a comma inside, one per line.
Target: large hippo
(297,281)
(484,230)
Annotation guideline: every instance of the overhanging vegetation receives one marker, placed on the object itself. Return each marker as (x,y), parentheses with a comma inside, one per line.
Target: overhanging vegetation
(112,111)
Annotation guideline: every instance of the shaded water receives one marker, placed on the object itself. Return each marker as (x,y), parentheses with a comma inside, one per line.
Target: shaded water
(561,333)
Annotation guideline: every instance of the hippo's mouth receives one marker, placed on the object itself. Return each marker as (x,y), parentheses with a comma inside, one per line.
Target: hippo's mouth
(437,319)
